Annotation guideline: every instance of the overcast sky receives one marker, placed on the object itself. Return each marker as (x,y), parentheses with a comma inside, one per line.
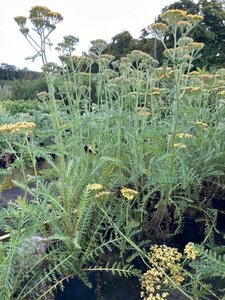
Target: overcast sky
(86,19)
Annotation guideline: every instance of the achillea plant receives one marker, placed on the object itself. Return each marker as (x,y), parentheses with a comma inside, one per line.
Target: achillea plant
(18,127)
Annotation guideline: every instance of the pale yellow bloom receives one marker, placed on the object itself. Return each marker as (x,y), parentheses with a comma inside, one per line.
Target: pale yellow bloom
(173,16)
(221,94)
(186,135)
(190,251)
(155,91)
(129,194)
(194,19)
(201,124)
(194,46)
(95,186)
(27,127)
(144,113)
(168,260)
(184,24)
(180,146)
(102,194)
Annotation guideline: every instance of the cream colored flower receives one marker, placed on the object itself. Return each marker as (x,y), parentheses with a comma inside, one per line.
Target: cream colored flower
(190,251)
(184,135)
(201,124)
(173,16)
(95,186)
(102,194)
(129,194)
(180,146)
(18,127)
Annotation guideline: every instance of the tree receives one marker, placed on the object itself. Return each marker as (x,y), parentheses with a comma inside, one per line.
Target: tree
(121,44)
(211,32)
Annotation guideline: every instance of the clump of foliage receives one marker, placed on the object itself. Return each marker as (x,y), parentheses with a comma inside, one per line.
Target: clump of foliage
(132,147)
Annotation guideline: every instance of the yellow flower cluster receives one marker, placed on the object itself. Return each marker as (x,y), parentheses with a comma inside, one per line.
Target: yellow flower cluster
(221,94)
(159,29)
(192,90)
(102,194)
(180,146)
(159,26)
(167,259)
(184,23)
(95,186)
(150,284)
(182,135)
(201,124)
(206,77)
(194,19)
(155,91)
(172,16)
(129,194)
(190,251)
(194,46)
(144,113)
(27,127)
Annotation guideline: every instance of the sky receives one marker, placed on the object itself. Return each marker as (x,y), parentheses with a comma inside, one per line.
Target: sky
(86,19)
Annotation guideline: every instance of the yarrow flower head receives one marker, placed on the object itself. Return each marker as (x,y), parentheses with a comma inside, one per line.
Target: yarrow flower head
(190,251)
(194,46)
(168,260)
(173,16)
(129,194)
(221,94)
(194,19)
(155,91)
(18,127)
(95,186)
(102,195)
(184,24)
(184,135)
(180,146)
(201,124)
(143,111)
(159,29)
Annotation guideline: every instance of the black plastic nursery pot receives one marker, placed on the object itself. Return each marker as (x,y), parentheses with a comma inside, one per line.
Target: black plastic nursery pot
(193,231)
(76,289)
(219,204)
(105,286)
